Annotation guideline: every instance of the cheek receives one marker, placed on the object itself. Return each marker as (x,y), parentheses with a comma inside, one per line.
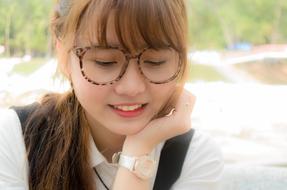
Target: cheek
(162,94)
(90,96)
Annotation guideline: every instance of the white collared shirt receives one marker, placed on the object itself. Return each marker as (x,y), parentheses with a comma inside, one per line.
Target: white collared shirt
(202,168)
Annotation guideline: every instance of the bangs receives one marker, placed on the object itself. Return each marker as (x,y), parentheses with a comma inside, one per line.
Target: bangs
(137,23)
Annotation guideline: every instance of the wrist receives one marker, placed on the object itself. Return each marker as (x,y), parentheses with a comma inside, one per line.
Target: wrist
(142,166)
(134,147)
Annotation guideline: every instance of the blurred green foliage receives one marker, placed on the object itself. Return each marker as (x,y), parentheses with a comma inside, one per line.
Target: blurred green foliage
(223,23)
(212,24)
(24,26)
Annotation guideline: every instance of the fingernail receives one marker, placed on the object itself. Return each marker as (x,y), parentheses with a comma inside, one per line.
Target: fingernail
(171,112)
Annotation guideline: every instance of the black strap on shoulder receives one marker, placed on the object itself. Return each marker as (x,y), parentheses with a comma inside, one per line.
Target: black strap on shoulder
(171,160)
(24,111)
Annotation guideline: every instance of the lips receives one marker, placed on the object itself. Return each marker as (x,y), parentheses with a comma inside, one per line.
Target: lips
(127,107)
(128,110)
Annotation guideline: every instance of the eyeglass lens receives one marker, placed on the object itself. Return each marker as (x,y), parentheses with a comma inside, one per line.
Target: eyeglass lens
(103,65)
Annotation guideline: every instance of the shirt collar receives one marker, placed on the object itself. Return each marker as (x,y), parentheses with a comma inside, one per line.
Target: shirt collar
(96,156)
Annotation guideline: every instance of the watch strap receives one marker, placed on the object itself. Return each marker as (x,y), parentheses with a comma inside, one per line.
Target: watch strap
(142,166)
(127,161)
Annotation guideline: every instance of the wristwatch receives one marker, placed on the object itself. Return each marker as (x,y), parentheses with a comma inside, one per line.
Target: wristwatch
(142,166)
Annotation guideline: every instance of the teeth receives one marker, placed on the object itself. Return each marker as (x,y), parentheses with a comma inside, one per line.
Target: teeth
(128,108)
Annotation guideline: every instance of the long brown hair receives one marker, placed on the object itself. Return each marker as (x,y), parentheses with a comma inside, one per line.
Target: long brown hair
(56,135)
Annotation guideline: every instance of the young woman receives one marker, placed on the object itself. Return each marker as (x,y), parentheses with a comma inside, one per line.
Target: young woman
(126,61)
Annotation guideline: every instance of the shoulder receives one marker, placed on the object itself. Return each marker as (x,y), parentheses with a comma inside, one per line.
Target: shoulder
(203,165)
(9,124)
(12,150)
(203,145)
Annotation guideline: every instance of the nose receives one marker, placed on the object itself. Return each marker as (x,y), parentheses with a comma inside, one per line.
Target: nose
(132,82)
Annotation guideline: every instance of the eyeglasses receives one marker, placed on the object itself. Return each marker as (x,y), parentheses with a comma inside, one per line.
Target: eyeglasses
(106,65)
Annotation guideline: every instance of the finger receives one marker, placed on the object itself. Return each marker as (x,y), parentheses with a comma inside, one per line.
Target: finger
(170,113)
(185,103)
(177,122)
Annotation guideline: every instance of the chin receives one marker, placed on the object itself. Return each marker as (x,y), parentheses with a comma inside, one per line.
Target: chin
(128,128)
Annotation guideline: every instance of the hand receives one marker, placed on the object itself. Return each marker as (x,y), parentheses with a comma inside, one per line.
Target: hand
(161,129)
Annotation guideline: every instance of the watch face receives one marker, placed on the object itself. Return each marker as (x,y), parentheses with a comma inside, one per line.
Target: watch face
(144,167)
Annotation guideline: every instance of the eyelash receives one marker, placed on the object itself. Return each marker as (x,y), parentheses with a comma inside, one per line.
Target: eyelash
(155,62)
(107,63)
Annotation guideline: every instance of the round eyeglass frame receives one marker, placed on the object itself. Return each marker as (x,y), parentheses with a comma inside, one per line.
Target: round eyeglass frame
(80,52)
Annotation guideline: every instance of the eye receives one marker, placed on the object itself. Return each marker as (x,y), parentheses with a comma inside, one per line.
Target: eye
(105,63)
(155,63)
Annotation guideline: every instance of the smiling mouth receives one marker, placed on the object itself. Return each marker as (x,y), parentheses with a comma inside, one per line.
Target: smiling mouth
(128,108)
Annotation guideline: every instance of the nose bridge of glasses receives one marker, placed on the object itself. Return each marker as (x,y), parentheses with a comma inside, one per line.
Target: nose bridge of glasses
(130,56)
(129,66)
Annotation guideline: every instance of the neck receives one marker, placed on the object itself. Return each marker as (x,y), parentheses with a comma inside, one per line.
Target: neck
(107,142)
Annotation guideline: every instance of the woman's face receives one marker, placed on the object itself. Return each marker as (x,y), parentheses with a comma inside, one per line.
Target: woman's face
(116,106)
